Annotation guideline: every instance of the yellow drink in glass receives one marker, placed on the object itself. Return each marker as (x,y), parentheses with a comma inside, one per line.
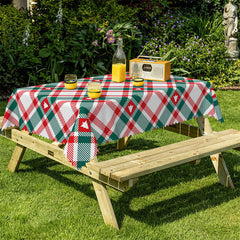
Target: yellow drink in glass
(94,93)
(118,72)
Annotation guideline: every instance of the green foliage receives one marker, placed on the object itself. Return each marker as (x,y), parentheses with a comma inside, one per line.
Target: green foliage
(70,36)
(152,8)
(178,25)
(205,25)
(91,53)
(227,76)
(195,46)
(170,26)
(8,17)
(234,72)
(205,7)
(18,63)
(148,12)
(131,37)
(83,57)
(18,60)
(203,58)
(58,38)
(81,13)
(52,53)
(200,58)
(67,46)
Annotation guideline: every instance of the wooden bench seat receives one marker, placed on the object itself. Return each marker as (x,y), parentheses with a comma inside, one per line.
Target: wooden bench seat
(142,163)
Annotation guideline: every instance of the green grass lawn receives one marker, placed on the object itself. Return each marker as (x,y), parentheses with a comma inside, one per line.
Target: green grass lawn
(46,200)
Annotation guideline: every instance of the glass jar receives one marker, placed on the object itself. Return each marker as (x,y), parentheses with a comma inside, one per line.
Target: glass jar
(119,63)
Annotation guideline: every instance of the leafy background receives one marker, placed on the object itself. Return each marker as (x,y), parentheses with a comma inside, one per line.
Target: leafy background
(62,36)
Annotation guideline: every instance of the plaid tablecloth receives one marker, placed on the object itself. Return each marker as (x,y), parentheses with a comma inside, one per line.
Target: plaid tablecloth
(70,117)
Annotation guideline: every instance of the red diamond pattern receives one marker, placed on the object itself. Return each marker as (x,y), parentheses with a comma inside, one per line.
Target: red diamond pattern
(45,105)
(130,108)
(84,125)
(175,97)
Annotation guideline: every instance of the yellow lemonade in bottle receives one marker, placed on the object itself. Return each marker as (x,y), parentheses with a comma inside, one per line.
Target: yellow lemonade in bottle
(119,63)
(118,72)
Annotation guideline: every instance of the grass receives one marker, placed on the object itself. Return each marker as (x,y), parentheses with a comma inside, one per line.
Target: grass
(46,200)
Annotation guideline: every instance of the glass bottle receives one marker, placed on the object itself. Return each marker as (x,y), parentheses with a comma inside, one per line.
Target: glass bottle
(119,63)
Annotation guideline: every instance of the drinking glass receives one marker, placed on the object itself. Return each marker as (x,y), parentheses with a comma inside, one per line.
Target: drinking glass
(70,81)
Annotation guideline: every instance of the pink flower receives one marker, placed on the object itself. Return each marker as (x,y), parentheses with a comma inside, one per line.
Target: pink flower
(95,43)
(109,33)
(99,29)
(111,39)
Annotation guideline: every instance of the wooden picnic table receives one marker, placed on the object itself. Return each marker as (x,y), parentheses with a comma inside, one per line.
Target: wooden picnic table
(77,124)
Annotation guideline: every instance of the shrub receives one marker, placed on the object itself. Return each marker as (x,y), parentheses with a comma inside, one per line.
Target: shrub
(171,26)
(85,56)
(205,25)
(91,49)
(67,46)
(71,36)
(132,37)
(58,38)
(176,26)
(17,57)
(199,57)
(201,7)
(9,17)
(78,14)
(227,76)
(52,53)
(203,58)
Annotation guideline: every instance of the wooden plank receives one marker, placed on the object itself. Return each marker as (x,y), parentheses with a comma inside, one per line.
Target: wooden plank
(120,160)
(58,144)
(123,186)
(1,121)
(16,158)
(184,129)
(55,153)
(171,162)
(17,155)
(122,142)
(187,130)
(204,125)
(218,162)
(180,128)
(165,151)
(104,201)
(199,147)
(105,204)
(133,160)
(221,170)
(39,146)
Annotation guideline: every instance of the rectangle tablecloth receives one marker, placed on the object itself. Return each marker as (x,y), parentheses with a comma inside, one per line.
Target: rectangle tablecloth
(72,118)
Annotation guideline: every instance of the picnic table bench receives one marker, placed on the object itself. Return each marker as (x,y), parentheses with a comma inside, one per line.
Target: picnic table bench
(123,172)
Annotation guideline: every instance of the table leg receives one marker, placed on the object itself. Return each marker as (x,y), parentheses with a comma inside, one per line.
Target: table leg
(122,142)
(104,201)
(105,204)
(16,158)
(217,159)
